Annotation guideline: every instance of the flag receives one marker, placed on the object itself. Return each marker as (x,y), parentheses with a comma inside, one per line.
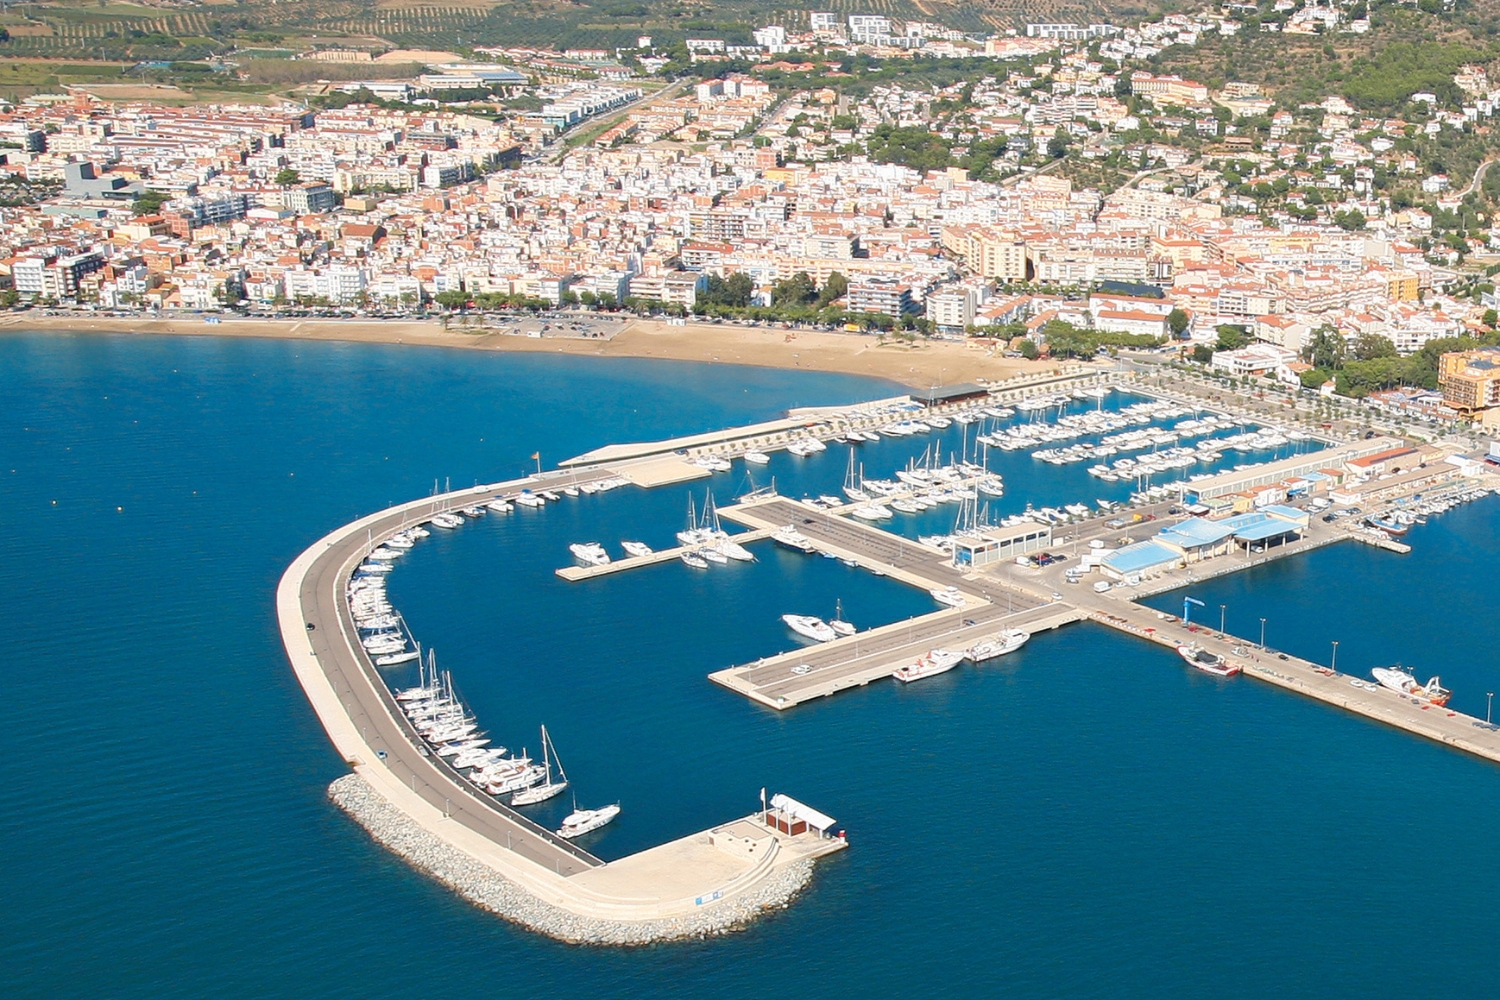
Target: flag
(536,456)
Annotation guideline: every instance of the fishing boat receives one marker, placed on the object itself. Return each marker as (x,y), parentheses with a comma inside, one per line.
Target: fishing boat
(932,663)
(581,821)
(813,628)
(548,788)
(1401,681)
(636,549)
(694,560)
(1006,642)
(1388,525)
(837,623)
(1208,662)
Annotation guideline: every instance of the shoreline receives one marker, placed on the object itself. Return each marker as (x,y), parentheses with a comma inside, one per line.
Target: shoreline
(920,365)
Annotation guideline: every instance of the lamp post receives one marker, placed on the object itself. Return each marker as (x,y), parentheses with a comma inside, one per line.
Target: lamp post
(1262,633)
(1489,703)
(1335,665)
(1221,620)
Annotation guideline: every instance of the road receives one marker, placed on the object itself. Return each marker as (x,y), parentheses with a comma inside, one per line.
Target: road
(370,705)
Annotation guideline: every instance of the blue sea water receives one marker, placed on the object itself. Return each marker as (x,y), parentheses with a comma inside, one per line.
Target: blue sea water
(1084,819)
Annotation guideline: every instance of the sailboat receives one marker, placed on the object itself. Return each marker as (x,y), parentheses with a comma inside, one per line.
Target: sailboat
(853,487)
(837,623)
(693,535)
(549,788)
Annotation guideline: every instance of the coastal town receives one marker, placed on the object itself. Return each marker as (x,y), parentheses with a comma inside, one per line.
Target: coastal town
(1054,202)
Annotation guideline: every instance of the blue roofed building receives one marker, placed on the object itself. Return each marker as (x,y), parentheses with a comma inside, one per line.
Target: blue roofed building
(1142,559)
(1199,538)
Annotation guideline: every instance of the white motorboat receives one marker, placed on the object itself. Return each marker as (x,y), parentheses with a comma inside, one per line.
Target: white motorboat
(548,788)
(581,821)
(590,553)
(792,539)
(636,549)
(500,506)
(948,595)
(713,555)
(734,550)
(529,499)
(457,749)
(934,662)
(757,458)
(812,627)
(1006,642)
(694,560)
(571,491)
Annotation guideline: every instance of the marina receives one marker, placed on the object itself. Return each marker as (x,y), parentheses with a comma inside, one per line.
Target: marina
(989,603)
(1077,742)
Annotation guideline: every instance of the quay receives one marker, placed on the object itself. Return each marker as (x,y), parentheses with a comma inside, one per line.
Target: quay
(828,668)
(412,801)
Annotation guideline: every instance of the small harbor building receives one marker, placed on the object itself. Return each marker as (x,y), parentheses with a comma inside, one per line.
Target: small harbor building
(999,544)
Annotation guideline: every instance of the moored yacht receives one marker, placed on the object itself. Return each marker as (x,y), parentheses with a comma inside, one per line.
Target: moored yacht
(581,821)
(934,662)
(1006,642)
(813,628)
(591,553)
(1207,662)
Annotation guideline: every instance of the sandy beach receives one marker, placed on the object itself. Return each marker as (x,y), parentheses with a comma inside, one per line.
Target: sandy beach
(920,364)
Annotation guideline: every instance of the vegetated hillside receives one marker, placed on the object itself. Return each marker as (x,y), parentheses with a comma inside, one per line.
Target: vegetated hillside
(1405,52)
(145,31)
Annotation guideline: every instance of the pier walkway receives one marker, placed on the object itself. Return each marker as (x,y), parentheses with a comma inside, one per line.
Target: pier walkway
(1353,694)
(576,573)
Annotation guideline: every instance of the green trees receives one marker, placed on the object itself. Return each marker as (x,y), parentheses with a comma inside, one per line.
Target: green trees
(1064,340)
(149,202)
(452,299)
(1177,322)
(734,291)
(1325,349)
(912,146)
(287,177)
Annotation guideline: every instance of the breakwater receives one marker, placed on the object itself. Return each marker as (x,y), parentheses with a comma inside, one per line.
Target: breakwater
(486,888)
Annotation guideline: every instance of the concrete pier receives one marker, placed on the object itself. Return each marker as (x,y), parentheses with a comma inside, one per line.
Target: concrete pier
(577,573)
(800,675)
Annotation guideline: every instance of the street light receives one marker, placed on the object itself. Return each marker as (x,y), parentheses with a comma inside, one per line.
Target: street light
(1262,633)
(1221,621)
(1335,665)
(1489,703)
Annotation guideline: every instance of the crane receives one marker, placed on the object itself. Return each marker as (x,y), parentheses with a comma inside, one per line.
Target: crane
(1186,607)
